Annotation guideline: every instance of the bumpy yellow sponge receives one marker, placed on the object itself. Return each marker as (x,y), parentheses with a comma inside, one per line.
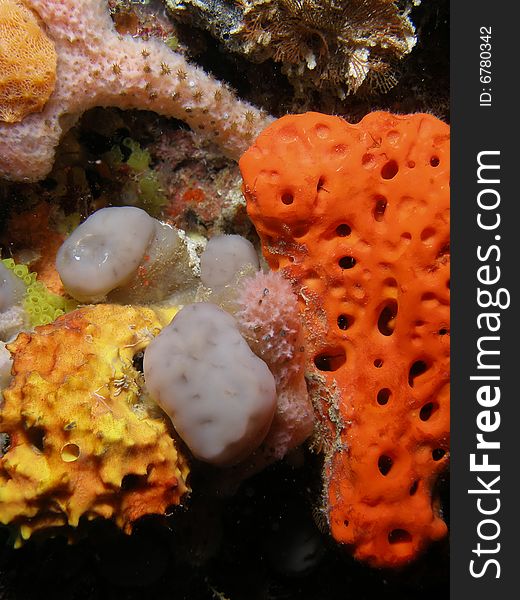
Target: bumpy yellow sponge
(83,439)
(27,63)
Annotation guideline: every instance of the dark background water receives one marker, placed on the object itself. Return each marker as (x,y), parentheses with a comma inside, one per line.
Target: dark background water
(264,543)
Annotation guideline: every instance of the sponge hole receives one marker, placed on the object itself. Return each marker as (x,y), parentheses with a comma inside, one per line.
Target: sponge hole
(344,322)
(427,411)
(35,436)
(347,262)
(70,453)
(427,234)
(331,359)
(389,169)
(399,536)
(438,453)
(380,208)
(287,198)
(383,396)
(387,316)
(343,230)
(418,368)
(385,464)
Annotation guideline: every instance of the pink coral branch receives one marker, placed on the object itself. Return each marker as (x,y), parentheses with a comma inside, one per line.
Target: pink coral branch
(99,67)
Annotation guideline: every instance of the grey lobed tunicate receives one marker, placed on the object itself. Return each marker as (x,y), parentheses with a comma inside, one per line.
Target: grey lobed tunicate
(104,253)
(223,258)
(220,396)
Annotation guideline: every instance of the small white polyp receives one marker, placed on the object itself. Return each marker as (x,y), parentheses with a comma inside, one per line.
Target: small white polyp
(224,257)
(12,288)
(6,362)
(220,396)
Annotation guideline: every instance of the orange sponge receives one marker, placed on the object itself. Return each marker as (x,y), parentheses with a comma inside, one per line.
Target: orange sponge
(27,63)
(357,216)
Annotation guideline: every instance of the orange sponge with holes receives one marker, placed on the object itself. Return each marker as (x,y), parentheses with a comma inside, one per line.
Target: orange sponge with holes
(357,216)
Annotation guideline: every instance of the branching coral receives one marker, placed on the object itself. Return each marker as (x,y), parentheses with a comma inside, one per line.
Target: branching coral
(357,216)
(82,439)
(99,67)
(333,44)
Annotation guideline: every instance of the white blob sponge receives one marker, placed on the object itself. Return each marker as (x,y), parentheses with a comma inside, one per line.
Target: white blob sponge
(6,362)
(220,397)
(223,258)
(12,288)
(124,254)
(104,251)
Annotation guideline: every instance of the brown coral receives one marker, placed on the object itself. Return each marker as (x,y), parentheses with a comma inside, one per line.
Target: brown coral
(82,439)
(357,216)
(333,45)
(27,62)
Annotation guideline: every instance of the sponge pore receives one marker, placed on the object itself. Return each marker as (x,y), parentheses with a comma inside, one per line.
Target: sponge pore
(220,397)
(27,63)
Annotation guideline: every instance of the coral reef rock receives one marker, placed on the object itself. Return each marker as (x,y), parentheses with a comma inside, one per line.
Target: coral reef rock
(82,438)
(99,67)
(27,63)
(334,45)
(357,217)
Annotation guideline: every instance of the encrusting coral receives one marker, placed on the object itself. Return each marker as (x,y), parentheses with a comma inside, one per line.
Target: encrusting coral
(357,217)
(27,62)
(99,67)
(333,44)
(83,440)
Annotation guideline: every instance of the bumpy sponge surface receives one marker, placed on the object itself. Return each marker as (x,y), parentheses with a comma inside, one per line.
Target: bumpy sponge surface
(220,396)
(357,216)
(83,442)
(27,63)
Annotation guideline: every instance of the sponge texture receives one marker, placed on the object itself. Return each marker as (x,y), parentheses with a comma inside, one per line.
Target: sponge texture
(27,63)
(220,397)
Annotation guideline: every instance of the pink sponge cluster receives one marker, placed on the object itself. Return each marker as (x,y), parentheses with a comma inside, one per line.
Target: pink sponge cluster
(268,318)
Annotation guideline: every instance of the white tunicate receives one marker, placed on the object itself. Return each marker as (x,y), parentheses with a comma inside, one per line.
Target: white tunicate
(104,252)
(6,362)
(224,257)
(220,396)
(163,269)
(12,288)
